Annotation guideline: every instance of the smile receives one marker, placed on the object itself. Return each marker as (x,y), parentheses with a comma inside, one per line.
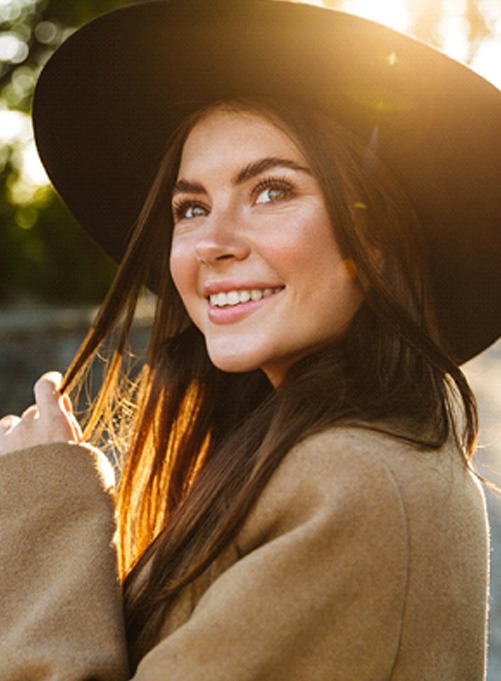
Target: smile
(236,297)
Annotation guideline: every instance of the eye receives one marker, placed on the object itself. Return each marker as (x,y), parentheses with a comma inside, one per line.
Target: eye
(188,210)
(272,191)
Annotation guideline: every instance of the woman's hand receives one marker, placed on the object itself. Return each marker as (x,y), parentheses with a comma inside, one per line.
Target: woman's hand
(51,419)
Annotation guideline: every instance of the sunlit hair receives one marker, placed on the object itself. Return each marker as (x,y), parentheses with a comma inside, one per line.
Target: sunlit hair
(202,444)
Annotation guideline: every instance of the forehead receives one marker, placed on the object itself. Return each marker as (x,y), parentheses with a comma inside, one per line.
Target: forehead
(236,135)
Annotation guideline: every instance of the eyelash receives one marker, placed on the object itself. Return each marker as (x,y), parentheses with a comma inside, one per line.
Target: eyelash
(179,208)
(273,182)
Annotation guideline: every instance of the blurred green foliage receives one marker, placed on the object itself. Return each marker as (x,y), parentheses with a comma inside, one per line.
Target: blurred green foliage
(44,255)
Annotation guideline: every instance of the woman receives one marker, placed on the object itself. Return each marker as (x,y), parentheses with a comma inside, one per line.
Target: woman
(297,500)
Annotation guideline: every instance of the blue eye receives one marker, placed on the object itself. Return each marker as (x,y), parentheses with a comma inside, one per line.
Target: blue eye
(273,194)
(271,191)
(188,210)
(195,211)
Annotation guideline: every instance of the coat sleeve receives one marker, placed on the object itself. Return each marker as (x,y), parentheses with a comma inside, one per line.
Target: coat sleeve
(60,601)
(319,590)
(317,593)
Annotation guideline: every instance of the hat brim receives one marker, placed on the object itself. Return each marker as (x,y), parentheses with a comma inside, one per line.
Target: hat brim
(112,94)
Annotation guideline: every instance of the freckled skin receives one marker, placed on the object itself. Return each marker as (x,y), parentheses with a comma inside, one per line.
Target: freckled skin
(271,228)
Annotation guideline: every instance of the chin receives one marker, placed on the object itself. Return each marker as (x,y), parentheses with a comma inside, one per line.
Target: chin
(233,363)
(235,366)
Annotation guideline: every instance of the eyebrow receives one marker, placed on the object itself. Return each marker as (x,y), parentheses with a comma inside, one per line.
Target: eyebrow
(257,167)
(248,172)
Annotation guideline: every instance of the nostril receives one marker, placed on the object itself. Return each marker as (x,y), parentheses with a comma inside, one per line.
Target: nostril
(211,252)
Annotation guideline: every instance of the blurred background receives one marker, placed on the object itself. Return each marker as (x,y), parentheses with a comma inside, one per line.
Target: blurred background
(52,276)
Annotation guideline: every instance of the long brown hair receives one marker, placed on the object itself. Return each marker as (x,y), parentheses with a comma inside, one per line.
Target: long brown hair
(202,444)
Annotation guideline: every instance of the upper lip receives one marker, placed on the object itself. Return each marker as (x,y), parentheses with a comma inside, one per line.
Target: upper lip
(211,287)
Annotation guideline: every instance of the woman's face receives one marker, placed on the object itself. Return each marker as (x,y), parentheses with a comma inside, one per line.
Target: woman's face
(254,256)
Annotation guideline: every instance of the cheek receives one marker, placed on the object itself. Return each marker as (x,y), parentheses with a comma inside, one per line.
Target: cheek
(184,277)
(179,267)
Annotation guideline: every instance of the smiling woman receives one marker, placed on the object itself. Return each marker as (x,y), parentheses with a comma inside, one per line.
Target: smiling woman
(297,499)
(248,230)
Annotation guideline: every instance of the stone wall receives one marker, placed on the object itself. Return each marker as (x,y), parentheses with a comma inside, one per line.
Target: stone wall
(34,341)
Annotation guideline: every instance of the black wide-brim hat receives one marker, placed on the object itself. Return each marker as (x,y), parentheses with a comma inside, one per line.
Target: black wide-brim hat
(112,94)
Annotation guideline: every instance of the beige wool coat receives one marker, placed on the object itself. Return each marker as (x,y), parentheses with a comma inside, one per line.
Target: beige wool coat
(365,559)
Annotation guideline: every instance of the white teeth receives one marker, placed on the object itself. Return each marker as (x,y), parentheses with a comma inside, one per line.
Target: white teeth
(231,298)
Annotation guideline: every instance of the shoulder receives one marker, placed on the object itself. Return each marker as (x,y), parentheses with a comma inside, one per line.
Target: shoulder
(370,461)
(340,463)
(331,480)
(366,481)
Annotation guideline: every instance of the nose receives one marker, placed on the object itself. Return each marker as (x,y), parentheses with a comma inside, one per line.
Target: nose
(222,240)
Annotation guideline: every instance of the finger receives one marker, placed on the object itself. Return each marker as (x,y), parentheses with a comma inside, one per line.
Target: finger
(8,422)
(53,378)
(31,412)
(47,393)
(68,406)
(67,403)
(77,430)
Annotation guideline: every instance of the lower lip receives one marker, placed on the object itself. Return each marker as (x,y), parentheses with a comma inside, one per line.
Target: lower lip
(235,313)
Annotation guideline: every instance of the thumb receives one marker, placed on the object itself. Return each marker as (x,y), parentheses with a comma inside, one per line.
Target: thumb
(47,393)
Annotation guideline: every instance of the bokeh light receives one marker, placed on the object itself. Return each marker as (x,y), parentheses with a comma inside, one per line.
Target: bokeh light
(393,13)
(16,134)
